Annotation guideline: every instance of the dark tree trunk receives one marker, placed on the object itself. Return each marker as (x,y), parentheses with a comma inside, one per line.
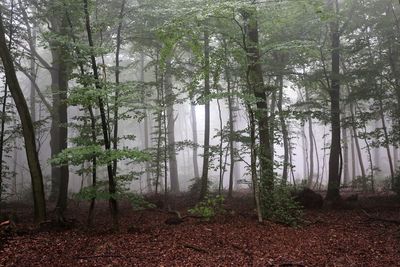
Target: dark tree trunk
(255,82)
(231,121)
(27,128)
(334,92)
(117,82)
(111,179)
(59,131)
(206,154)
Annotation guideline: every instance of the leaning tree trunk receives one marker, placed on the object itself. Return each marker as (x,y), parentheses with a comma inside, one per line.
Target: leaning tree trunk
(285,133)
(334,92)
(27,127)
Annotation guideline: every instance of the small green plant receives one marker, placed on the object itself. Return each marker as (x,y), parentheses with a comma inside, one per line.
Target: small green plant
(279,206)
(209,207)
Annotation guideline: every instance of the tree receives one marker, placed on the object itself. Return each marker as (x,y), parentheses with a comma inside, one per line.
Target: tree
(334,92)
(27,127)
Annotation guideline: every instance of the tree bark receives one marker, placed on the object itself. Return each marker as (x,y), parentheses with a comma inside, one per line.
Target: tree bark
(255,83)
(311,145)
(285,133)
(206,153)
(27,127)
(117,83)
(111,179)
(170,99)
(346,178)
(334,92)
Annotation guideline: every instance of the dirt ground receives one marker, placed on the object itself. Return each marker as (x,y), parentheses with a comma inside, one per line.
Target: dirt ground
(367,235)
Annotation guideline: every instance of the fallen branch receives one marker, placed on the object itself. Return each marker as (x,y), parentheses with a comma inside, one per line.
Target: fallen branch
(102,256)
(380,219)
(5,223)
(199,249)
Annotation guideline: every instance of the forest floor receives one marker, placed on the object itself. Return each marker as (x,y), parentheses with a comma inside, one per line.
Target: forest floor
(368,235)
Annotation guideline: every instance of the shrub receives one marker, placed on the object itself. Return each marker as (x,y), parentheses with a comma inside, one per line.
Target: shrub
(280,206)
(209,207)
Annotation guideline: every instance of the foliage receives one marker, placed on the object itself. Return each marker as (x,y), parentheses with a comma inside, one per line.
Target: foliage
(100,192)
(195,186)
(209,207)
(280,206)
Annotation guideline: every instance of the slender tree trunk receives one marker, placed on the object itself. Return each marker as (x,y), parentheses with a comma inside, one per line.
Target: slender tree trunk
(221,151)
(231,122)
(357,144)
(346,177)
(253,164)
(170,99)
(117,83)
(111,179)
(272,125)
(387,141)
(285,134)
(146,130)
(32,70)
(306,163)
(159,85)
(94,167)
(334,92)
(311,145)
(353,157)
(195,141)
(27,127)
(206,154)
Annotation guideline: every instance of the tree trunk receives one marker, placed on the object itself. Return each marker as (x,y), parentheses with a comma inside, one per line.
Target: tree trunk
(195,141)
(285,133)
(146,130)
(117,83)
(231,121)
(59,131)
(353,157)
(206,154)
(387,141)
(170,99)
(311,145)
(27,128)
(107,145)
(255,83)
(334,92)
(253,164)
(346,180)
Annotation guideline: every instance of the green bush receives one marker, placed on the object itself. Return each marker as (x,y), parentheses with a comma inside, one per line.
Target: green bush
(209,207)
(279,206)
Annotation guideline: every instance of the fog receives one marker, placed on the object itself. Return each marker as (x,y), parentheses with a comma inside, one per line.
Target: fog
(165,47)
